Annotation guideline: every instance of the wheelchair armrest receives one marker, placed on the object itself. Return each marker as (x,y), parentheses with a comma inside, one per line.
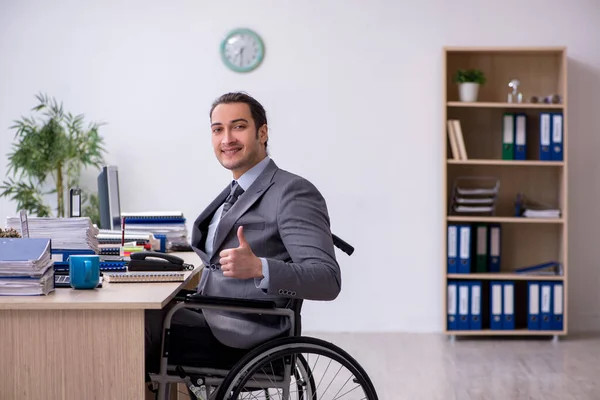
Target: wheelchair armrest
(183,293)
(198,298)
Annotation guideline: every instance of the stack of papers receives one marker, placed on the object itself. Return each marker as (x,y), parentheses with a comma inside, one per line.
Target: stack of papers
(66,233)
(26,267)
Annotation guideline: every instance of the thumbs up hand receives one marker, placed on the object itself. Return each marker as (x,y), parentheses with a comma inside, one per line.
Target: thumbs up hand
(240,262)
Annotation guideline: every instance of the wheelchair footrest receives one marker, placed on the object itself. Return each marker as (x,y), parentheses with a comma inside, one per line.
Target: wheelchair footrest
(198,298)
(193,389)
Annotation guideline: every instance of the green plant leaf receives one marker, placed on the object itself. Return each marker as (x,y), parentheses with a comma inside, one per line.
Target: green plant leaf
(469,75)
(51,145)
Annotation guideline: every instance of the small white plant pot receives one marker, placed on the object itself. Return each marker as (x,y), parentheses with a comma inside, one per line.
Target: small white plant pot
(468,91)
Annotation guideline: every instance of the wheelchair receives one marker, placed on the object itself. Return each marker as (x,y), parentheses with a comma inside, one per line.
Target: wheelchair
(287,367)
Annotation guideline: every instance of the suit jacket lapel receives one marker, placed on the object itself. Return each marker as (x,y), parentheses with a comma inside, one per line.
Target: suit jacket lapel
(250,196)
(200,227)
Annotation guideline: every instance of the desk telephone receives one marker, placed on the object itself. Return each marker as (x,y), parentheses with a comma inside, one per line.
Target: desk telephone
(155,261)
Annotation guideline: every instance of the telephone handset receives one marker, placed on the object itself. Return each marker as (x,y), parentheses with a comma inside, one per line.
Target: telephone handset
(155,261)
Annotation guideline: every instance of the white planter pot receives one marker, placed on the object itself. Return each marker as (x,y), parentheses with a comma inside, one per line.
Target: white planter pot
(468,91)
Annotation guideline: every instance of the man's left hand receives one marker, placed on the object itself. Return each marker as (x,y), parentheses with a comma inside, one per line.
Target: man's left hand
(240,262)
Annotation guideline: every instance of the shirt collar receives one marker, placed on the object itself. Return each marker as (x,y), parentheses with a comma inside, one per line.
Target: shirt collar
(250,176)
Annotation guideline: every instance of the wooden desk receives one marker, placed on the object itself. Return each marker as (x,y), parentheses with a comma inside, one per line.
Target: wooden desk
(80,344)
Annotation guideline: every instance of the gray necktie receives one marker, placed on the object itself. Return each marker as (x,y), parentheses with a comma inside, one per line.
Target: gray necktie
(236,191)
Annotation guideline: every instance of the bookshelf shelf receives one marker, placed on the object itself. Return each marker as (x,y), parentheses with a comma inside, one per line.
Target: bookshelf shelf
(506,276)
(476,148)
(515,332)
(505,220)
(491,104)
(508,163)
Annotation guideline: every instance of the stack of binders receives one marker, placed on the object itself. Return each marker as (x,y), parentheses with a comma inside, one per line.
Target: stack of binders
(26,267)
(503,305)
(514,136)
(474,248)
(545,306)
(465,305)
(168,227)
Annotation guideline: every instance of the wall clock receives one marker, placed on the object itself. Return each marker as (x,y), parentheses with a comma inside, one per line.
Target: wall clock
(242,50)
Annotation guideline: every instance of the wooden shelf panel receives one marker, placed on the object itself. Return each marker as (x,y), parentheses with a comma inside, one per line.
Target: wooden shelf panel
(542,185)
(506,277)
(540,74)
(482,130)
(493,104)
(515,332)
(508,163)
(534,50)
(508,220)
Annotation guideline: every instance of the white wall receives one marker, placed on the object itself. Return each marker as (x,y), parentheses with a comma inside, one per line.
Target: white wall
(352,90)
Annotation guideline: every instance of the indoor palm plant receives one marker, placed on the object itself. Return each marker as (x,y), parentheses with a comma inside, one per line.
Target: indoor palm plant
(468,82)
(47,158)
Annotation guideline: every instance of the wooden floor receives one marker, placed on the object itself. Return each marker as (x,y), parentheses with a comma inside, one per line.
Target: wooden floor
(431,367)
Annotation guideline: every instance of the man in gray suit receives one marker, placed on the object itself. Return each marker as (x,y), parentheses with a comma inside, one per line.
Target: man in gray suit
(265,236)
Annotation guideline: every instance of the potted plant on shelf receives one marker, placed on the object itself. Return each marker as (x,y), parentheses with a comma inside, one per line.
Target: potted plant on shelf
(468,82)
(55,147)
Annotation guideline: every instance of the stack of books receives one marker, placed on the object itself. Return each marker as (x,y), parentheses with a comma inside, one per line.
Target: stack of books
(26,267)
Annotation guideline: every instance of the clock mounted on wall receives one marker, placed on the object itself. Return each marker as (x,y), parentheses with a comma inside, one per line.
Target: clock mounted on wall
(242,50)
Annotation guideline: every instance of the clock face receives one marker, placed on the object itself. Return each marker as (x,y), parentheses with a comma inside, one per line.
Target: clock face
(242,50)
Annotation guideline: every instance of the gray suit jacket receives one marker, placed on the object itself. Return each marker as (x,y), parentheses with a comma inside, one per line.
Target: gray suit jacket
(286,221)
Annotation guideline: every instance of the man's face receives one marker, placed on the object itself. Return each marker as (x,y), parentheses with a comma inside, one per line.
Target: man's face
(234,138)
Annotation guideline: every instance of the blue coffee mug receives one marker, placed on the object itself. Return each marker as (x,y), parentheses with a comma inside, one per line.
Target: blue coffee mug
(84,271)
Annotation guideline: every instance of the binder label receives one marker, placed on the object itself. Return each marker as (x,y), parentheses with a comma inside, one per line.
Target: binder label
(520,139)
(463,293)
(534,299)
(545,128)
(508,299)
(495,241)
(475,299)
(545,298)
(465,237)
(557,128)
(496,299)
(558,303)
(452,299)
(508,129)
(452,244)
(482,240)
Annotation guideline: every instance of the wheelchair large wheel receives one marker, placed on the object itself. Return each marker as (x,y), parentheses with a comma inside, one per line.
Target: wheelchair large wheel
(261,374)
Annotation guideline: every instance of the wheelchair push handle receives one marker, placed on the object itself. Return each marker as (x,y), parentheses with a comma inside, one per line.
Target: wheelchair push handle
(340,244)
